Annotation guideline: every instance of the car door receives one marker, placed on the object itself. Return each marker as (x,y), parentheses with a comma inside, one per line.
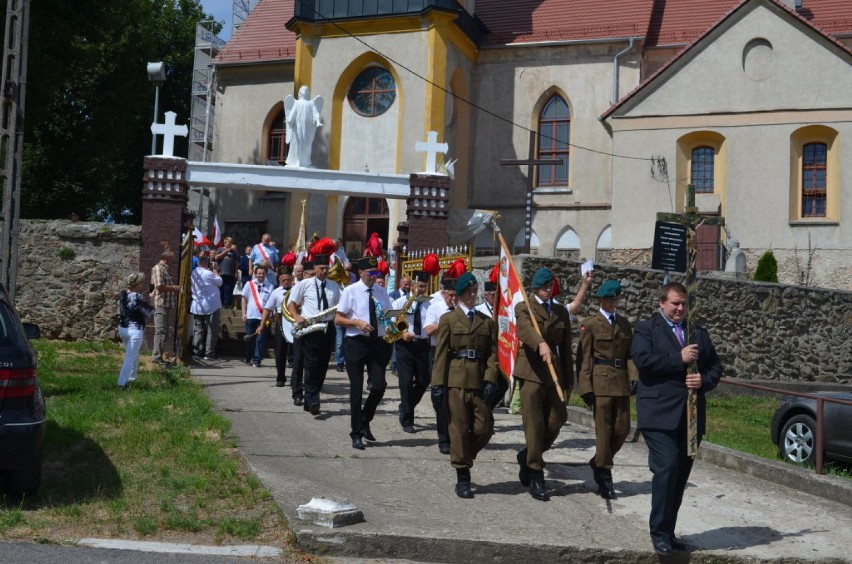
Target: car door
(838,427)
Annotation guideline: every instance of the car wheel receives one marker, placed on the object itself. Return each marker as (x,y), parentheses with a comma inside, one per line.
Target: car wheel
(26,481)
(797,443)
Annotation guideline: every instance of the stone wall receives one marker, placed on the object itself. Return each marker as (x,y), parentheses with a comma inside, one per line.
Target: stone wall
(762,331)
(70,274)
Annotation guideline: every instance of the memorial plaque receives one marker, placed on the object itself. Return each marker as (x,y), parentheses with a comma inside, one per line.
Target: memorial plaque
(669,252)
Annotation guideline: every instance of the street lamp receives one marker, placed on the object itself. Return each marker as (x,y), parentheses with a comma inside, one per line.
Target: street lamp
(157,76)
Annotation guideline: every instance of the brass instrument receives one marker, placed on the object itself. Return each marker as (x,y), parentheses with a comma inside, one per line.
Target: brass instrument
(285,313)
(314,323)
(338,274)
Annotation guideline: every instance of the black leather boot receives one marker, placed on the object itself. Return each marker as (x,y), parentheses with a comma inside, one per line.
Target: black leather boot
(524,472)
(463,485)
(537,487)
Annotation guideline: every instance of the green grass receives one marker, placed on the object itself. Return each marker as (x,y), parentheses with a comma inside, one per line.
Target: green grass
(151,461)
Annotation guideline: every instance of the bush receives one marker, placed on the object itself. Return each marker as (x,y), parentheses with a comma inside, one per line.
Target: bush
(767,268)
(67,253)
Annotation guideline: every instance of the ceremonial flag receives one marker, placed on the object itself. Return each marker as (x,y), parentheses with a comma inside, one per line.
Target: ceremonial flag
(199,238)
(217,232)
(509,294)
(300,240)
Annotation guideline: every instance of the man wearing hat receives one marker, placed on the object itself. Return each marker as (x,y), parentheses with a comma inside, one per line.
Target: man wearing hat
(443,301)
(489,292)
(362,308)
(308,298)
(605,372)
(272,309)
(549,343)
(466,368)
(412,350)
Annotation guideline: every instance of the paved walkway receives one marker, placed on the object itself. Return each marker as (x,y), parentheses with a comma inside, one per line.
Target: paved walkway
(404,487)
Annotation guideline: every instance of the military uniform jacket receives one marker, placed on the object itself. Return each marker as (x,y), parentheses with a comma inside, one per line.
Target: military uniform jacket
(456,334)
(556,330)
(599,339)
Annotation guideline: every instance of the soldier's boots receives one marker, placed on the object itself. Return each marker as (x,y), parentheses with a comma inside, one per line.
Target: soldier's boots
(603,478)
(463,489)
(537,487)
(524,472)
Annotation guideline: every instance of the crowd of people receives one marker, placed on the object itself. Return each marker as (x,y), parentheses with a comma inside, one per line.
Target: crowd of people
(446,343)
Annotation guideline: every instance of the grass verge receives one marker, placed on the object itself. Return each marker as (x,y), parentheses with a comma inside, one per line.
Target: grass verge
(151,462)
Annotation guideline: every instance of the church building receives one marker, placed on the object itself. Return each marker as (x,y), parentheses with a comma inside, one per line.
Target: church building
(747,100)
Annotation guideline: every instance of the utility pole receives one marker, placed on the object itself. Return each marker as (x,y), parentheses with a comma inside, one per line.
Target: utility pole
(13,91)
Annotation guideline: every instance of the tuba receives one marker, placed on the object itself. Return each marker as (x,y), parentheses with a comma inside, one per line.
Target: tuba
(338,274)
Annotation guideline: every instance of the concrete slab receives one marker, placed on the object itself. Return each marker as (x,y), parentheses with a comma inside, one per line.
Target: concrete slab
(404,487)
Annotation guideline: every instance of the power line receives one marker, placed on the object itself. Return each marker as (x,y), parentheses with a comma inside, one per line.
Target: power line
(465,100)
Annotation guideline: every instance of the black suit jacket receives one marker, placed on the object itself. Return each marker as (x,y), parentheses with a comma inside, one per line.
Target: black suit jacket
(661,393)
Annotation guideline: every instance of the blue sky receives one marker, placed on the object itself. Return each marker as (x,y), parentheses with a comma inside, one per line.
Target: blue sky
(222,11)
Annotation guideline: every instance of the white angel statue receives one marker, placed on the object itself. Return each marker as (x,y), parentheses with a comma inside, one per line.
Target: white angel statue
(302,117)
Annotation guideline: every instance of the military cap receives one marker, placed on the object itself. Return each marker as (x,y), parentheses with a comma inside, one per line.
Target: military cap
(308,264)
(320,260)
(490,287)
(366,263)
(419,276)
(609,289)
(448,284)
(541,277)
(464,282)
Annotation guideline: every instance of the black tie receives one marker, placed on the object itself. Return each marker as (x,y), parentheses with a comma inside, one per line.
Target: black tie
(418,323)
(612,319)
(324,299)
(470,315)
(546,307)
(373,322)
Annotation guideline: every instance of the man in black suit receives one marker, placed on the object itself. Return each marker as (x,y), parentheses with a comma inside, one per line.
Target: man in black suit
(662,356)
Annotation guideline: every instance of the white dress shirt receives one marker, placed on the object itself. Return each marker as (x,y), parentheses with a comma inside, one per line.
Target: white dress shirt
(308,294)
(355,304)
(409,317)
(204,284)
(263,291)
(437,308)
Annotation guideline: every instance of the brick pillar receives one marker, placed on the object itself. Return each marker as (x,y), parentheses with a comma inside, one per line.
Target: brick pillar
(428,211)
(164,215)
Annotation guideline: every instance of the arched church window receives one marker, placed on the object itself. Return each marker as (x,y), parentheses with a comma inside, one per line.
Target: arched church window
(277,147)
(372,92)
(554,136)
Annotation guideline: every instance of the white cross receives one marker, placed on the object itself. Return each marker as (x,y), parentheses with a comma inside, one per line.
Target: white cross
(431,147)
(168,130)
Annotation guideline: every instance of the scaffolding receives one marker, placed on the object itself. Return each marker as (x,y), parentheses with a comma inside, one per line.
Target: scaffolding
(202,105)
(242,8)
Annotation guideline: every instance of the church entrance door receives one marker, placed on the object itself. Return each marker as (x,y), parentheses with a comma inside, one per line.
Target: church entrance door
(361,218)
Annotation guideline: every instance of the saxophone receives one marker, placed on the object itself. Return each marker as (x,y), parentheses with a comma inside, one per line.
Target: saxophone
(314,323)
(393,331)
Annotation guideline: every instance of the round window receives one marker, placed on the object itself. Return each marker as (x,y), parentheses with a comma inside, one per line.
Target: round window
(372,92)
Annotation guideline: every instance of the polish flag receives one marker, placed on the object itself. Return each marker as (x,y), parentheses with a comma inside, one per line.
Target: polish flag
(509,294)
(199,238)
(217,232)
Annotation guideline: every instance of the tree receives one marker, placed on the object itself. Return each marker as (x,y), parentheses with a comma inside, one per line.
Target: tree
(89,103)
(767,268)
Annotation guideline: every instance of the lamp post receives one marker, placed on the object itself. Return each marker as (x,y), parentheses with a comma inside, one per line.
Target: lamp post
(157,76)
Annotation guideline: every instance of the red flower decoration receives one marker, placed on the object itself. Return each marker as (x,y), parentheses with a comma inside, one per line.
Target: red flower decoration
(431,264)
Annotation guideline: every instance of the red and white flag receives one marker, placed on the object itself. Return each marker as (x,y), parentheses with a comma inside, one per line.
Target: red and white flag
(217,232)
(509,295)
(199,239)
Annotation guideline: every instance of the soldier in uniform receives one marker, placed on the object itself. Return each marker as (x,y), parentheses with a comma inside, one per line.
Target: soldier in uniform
(605,374)
(465,370)
(544,412)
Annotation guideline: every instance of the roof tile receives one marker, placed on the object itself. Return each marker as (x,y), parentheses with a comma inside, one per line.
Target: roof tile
(262,37)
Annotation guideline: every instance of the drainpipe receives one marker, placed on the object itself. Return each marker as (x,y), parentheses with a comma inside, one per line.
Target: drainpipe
(615,69)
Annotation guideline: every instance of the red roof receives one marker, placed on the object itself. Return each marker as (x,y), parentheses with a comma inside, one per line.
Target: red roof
(262,37)
(676,22)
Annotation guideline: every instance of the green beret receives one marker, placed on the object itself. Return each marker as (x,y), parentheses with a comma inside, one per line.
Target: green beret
(609,289)
(464,282)
(541,277)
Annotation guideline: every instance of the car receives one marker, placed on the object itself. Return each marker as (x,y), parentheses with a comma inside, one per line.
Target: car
(23,413)
(794,428)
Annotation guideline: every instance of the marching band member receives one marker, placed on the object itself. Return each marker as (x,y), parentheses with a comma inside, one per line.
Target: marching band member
(466,368)
(412,350)
(362,307)
(309,298)
(272,308)
(488,295)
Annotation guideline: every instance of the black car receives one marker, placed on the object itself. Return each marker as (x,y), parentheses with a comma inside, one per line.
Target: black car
(22,409)
(794,428)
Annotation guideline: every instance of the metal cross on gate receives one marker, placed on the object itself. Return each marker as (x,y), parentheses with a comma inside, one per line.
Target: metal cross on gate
(691,220)
(530,162)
